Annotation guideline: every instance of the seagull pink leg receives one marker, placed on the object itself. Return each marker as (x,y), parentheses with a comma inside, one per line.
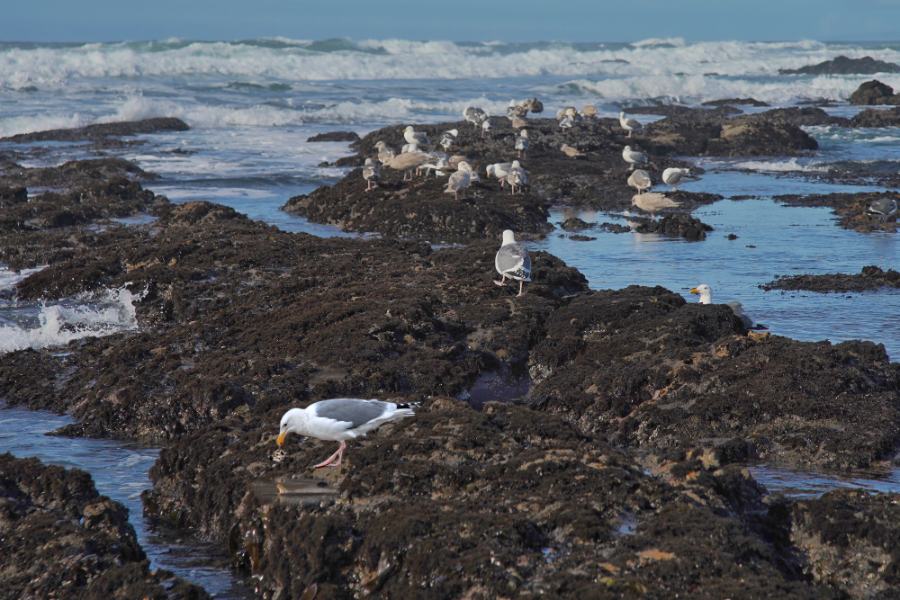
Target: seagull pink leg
(330,461)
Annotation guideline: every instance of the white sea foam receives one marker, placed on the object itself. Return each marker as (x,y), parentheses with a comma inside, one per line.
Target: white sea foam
(781,166)
(301,60)
(9,278)
(60,323)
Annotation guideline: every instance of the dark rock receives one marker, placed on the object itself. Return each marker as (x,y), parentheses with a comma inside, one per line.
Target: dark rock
(873,117)
(736,102)
(850,208)
(102,130)
(614,228)
(575,224)
(731,236)
(676,225)
(874,92)
(842,65)
(335,136)
(851,539)
(644,368)
(11,196)
(60,539)
(582,238)
(870,278)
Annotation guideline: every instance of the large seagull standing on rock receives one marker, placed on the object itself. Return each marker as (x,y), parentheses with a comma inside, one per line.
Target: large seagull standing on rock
(512,261)
(339,420)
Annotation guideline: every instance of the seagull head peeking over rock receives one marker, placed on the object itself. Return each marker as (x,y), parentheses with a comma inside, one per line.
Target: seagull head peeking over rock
(339,420)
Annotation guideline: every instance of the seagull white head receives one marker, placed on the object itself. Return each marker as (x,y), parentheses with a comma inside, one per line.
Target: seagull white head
(523,133)
(622,114)
(369,162)
(485,124)
(705,293)
(380,145)
(515,165)
(293,421)
(626,149)
(464,166)
(508,237)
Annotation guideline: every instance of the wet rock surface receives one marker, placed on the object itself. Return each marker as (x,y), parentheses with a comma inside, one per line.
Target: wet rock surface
(60,539)
(649,370)
(677,225)
(850,208)
(102,130)
(335,136)
(877,118)
(736,102)
(843,65)
(848,539)
(874,92)
(870,278)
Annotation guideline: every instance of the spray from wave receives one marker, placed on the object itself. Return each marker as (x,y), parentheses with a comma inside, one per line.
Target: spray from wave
(57,324)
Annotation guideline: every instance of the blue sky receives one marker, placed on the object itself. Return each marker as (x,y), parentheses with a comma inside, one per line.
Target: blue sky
(458,20)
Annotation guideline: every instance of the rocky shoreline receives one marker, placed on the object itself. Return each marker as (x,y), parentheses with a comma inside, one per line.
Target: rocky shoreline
(620,472)
(869,278)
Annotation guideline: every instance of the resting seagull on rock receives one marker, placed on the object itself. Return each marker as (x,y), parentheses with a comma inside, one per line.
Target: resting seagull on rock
(474,115)
(673,175)
(885,208)
(459,181)
(629,124)
(371,171)
(522,143)
(498,170)
(385,152)
(339,420)
(418,138)
(633,157)
(448,138)
(517,178)
(705,293)
(640,180)
(512,261)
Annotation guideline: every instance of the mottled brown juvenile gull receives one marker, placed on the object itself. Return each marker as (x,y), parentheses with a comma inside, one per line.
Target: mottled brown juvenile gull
(339,420)
(474,115)
(385,152)
(459,181)
(408,161)
(512,261)
(448,138)
(517,178)
(640,180)
(571,151)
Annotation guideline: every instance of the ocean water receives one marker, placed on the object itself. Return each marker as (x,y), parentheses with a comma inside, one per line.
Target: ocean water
(252,104)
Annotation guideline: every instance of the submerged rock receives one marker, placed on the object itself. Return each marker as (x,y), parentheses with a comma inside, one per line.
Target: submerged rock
(676,225)
(842,65)
(852,209)
(60,539)
(870,278)
(102,130)
(877,118)
(334,136)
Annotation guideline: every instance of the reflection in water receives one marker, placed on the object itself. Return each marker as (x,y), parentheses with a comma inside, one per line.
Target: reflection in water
(119,471)
(807,484)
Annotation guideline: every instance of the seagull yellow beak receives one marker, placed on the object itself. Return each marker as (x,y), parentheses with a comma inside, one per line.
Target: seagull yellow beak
(281,437)
(695,291)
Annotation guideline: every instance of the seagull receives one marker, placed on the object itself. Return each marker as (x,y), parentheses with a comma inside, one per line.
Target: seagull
(498,170)
(567,122)
(629,124)
(653,202)
(415,137)
(517,178)
(439,167)
(485,127)
(409,148)
(474,115)
(705,293)
(339,420)
(633,157)
(673,175)
(571,151)
(385,152)
(885,208)
(640,180)
(589,111)
(460,180)
(522,142)
(371,171)
(448,138)
(408,161)
(512,261)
